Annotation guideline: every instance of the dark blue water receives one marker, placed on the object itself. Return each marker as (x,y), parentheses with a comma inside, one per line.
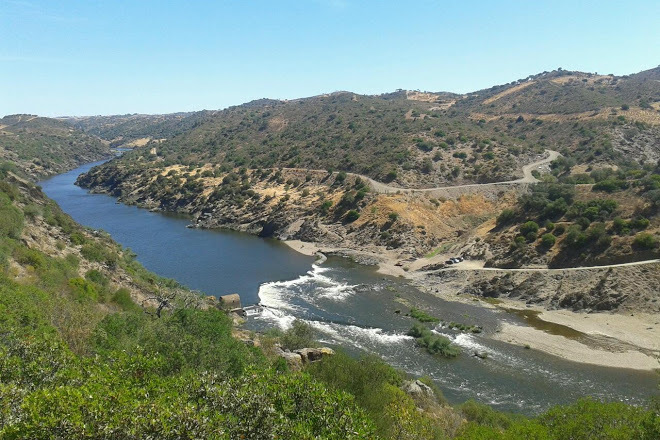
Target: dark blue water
(214,262)
(350,306)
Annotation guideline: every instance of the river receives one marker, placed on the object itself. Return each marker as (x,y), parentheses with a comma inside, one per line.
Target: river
(350,306)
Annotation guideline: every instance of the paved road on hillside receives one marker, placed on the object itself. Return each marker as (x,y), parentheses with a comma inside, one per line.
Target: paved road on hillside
(478,265)
(383,188)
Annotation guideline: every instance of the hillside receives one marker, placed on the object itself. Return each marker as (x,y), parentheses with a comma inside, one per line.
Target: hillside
(423,139)
(44,146)
(87,352)
(270,167)
(135,130)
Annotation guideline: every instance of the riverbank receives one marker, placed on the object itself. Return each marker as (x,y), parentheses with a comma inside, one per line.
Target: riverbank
(610,339)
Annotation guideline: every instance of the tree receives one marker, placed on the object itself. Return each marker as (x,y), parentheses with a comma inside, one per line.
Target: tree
(530,226)
(505,217)
(548,240)
(645,240)
(352,215)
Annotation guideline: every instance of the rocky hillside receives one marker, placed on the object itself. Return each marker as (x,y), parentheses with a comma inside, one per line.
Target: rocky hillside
(270,168)
(45,146)
(82,359)
(136,130)
(415,139)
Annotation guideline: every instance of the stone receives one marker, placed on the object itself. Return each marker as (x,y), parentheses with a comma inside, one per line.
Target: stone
(314,354)
(418,389)
(293,360)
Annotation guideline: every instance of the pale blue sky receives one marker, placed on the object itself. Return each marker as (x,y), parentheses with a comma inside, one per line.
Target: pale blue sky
(91,57)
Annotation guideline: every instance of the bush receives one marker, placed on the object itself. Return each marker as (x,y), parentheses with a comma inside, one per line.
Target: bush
(83,290)
(325,207)
(96,277)
(422,316)
(528,227)
(352,215)
(505,217)
(610,185)
(644,240)
(300,335)
(12,219)
(548,240)
(122,297)
(390,176)
(434,344)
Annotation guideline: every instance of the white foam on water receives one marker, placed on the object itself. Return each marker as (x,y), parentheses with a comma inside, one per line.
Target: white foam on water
(308,287)
(282,319)
(467,341)
(359,336)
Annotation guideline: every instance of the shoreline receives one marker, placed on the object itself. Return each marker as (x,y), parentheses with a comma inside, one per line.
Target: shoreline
(633,341)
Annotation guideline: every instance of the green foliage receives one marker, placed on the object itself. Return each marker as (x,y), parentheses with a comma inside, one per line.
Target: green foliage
(585,419)
(83,290)
(352,215)
(422,316)
(506,217)
(98,252)
(529,227)
(299,335)
(122,297)
(375,386)
(548,240)
(12,218)
(189,339)
(434,344)
(610,185)
(325,207)
(644,240)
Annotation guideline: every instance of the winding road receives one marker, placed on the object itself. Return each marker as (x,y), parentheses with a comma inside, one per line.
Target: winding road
(383,188)
(479,265)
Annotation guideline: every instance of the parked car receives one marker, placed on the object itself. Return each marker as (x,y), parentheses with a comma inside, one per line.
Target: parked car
(449,262)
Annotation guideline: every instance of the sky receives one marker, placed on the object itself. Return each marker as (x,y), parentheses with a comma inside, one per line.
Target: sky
(92,57)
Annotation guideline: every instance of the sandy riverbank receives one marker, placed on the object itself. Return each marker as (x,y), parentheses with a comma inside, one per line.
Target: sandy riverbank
(573,350)
(634,340)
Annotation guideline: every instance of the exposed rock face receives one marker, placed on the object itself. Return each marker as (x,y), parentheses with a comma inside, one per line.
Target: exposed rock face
(418,390)
(625,288)
(295,360)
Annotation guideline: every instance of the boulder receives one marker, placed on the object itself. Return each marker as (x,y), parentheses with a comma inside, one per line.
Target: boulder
(314,354)
(293,360)
(418,390)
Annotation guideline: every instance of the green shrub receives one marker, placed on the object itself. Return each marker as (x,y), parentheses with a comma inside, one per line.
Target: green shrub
(96,277)
(610,185)
(78,238)
(422,316)
(390,176)
(505,217)
(325,207)
(376,388)
(29,257)
(122,297)
(530,226)
(434,344)
(83,290)
(300,335)
(644,240)
(352,215)
(548,240)
(12,218)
